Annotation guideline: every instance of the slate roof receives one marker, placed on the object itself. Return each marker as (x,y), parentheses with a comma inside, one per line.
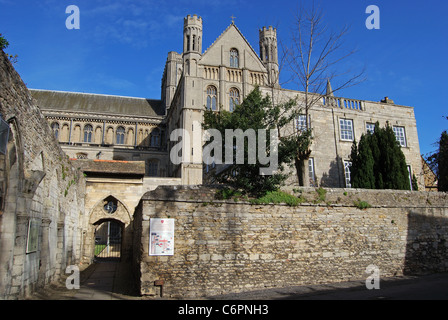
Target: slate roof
(110,167)
(97,103)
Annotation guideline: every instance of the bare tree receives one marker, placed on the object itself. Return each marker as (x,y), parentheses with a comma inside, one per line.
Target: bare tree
(312,57)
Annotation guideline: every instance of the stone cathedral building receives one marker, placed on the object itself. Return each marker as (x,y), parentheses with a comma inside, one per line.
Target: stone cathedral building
(122,145)
(93,126)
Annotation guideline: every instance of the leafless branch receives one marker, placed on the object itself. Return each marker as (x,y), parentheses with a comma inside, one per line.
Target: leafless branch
(314,53)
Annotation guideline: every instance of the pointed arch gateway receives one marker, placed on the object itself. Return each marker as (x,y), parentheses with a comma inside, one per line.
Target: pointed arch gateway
(109,233)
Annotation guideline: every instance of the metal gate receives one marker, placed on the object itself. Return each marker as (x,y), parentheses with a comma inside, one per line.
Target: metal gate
(108,240)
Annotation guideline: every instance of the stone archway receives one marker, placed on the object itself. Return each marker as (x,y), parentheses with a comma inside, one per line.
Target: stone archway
(108,240)
(11,174)
(113,212)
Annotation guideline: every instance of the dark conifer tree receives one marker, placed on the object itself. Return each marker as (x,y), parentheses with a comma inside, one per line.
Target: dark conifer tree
(362,170)
(442,162)
(378,162)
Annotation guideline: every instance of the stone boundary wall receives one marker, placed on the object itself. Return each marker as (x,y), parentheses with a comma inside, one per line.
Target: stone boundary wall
(233,246)
(38,187)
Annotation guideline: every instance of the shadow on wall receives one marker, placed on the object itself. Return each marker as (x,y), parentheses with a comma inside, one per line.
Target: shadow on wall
(333,179)
(155,163)
(427,245)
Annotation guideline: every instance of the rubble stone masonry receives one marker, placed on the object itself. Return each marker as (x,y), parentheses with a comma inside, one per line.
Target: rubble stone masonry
(227,246)
(39,190)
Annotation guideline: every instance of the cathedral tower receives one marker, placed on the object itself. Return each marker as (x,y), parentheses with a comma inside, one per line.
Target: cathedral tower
(191,111)
(192,44)
(269,53)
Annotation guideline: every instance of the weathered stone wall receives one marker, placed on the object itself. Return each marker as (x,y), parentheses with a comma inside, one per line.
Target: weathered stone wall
(122,182)
(329,151)
(38,184)
(232,246)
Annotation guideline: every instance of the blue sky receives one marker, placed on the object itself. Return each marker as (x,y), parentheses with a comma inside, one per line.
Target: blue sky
(122,45)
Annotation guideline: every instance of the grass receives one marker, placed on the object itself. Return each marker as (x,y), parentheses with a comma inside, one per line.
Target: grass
(277,197)
(322,194)
(272,197)
(99,248)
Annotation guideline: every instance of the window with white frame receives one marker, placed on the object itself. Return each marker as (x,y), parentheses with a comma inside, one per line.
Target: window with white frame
(400,135)
(370,127)
(347,166)
(346,128)
(301,122)
(311,171)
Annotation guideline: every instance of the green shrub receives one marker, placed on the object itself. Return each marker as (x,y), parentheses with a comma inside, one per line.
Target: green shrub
(362,204)
(227,193)
(276,197)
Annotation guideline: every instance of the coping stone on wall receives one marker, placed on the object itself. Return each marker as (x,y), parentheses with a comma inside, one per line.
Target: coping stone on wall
(333,196)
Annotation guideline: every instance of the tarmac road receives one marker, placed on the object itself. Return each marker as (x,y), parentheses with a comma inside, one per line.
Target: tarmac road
(428,287)
(113,281)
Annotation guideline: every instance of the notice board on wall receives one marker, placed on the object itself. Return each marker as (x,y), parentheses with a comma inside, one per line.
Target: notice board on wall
(161,237)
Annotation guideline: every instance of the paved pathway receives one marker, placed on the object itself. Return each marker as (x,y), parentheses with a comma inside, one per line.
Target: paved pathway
(99,281)
(113,281)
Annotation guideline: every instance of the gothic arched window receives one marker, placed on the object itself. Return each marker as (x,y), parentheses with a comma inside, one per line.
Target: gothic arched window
(88,129)
(155,138)
(234,59)
(120,135)
(234,99)
(55,128)
(211,98)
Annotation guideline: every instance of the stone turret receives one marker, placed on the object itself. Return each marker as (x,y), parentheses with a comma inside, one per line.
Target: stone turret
(192,44)
(269,53)
(192,34)
(191,110)
(171,77)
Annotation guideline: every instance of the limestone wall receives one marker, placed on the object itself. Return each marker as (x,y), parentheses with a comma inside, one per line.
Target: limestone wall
(329,151)
(128,192)
(38,188)
(232,246)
